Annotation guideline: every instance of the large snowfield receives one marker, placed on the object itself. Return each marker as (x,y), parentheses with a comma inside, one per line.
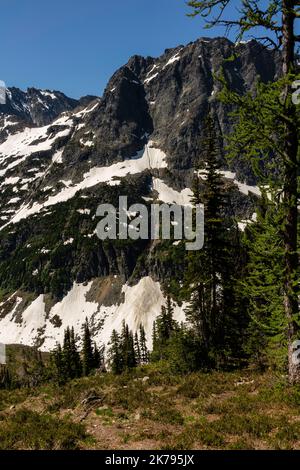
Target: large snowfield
(141,304)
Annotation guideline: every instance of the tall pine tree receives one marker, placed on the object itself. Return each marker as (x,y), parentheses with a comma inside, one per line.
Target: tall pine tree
(115,354)
(262,286)
(143,346)
(209,276)
(269,126)
(87,350)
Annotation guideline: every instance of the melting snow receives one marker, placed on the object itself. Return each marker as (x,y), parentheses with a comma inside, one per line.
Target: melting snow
(243,187)
(69,242)
(141,305)
(84,211)
(11,180)
(148,158)
(20,146)
(49,94)
(87,110)
(87,143)
(173,59)
(14,200)
(26,332)
(171,196)
(244,223)
(57,157)
(148,80)
(153,68)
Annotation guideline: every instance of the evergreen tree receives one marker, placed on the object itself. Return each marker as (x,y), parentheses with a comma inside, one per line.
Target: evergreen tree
(266,155)
(131,356)
(98,357)
(35,370)
(262,286)
(171,324)
(57,364)
(184,351)
(67,355)
(87,350)
(115,354)
(127,347)
(143,346)
(268,126)
(209,275)
(65,362)
(6,380)
(137,349)
(76,365)
(163,329)
(155,343)
(123,350)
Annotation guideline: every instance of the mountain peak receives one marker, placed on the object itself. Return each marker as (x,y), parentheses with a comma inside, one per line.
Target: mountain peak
(36,107)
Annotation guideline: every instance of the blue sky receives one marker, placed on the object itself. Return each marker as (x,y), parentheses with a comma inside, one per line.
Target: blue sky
(75,46)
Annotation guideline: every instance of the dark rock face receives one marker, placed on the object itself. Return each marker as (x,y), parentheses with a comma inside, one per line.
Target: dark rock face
(122,118)
(182,84)
(169,97)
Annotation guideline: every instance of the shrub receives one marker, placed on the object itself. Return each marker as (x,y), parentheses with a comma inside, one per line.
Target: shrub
(33,431)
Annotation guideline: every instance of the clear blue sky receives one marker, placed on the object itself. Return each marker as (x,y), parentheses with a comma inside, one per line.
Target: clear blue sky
(75,46)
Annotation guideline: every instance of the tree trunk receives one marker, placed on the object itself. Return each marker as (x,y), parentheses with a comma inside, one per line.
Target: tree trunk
(290,193)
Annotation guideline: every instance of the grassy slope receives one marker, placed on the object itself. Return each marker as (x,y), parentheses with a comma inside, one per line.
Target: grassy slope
(241,410)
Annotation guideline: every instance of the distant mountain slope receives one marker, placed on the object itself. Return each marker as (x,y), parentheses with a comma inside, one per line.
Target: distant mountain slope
(141,138)
(39,107)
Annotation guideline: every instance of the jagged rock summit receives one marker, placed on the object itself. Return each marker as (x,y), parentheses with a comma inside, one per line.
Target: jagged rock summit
(60,158)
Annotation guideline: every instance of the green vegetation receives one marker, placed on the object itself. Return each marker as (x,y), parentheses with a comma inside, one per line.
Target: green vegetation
(266,134)
(37,244)
(242,291)
(30,430)
(127,351)
(66,363)
(152,408)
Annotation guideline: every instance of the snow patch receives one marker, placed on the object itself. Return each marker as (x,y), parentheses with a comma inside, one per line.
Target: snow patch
(173,59)
(49,94)
(171,196)
(243,187)
(69,242)
(84,211)
(27,331)
(152,77)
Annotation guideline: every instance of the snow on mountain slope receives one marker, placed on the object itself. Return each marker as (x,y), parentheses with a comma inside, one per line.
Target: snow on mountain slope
(14,331)
(171,196)
(149,158)
(138,304)
(17,148)
(36,107)
(142,137)
(244,188)
(142,305)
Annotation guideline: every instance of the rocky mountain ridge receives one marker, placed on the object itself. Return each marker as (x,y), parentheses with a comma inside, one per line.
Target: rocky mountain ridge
(142,138)
(38,107)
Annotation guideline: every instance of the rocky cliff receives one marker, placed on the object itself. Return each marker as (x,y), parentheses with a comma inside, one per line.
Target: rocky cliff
(60,158)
